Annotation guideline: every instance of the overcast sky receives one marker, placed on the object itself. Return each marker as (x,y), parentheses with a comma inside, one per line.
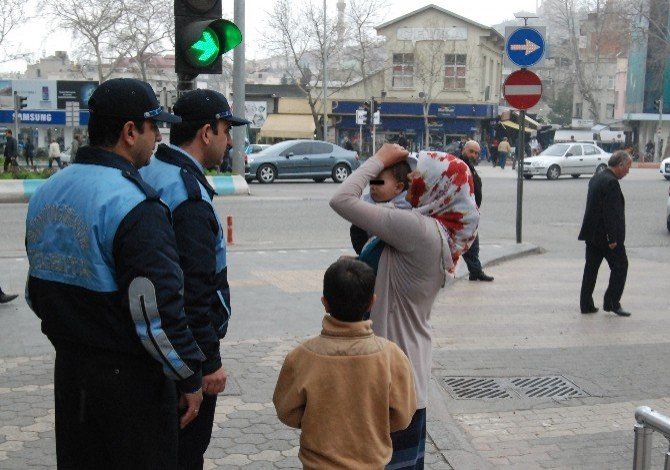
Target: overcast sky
(41,38)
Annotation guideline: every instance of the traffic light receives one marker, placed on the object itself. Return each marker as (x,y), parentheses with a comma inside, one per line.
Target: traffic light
(368,114)
(20,102)
(657,105)
(202,36)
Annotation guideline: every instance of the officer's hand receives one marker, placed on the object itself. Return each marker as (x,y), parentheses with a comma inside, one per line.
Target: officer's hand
(214,383)
(390,154)
(612,245)
(191,402)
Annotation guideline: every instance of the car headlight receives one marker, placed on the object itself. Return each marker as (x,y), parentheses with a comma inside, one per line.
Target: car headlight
(250,159)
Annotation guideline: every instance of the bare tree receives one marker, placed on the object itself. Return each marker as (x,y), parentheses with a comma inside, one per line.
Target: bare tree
(296,33)
(364,46)
(95,24)
(144,31)
(594,34)
(12,14)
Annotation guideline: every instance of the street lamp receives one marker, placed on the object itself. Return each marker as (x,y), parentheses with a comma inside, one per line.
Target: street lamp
(426,134)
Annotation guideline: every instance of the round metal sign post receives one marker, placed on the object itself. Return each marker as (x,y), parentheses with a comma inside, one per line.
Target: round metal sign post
(522,90)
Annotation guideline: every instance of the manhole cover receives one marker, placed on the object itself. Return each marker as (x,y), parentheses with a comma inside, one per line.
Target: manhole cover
(554,386)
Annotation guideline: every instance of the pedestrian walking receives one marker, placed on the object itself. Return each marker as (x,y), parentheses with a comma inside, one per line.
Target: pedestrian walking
(11,151)
(178,173)
(54,153)
(105,280)
(469,155)
(503,151)
(74,148)
(29,152)
(422,247)
(347,390)
(604,231)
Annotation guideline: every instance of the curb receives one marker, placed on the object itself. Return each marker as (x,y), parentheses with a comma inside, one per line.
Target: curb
(22,190)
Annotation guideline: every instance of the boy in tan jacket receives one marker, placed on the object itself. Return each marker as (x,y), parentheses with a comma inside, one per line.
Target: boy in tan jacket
(347,389)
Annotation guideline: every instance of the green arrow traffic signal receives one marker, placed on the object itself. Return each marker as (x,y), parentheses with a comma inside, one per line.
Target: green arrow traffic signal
(205,49)
(203,42)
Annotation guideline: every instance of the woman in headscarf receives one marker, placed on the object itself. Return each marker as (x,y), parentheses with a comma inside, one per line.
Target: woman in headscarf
(422,248)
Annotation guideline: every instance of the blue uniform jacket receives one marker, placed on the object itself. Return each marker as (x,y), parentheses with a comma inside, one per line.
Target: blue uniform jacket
(182,185)
(104,272)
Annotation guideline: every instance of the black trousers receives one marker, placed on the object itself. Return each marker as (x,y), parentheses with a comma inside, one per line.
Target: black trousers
(113,412)
(194,438)
(618,263)
(471,258)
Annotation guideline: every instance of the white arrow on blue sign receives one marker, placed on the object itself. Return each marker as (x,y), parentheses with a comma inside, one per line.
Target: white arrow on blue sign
(525,47)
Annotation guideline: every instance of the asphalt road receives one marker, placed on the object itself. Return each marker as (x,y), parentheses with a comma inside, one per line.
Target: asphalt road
(296,215)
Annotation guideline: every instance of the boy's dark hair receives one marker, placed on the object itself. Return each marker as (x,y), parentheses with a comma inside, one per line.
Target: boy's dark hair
(348,287)
(400,171)
(185,131)
(105,131)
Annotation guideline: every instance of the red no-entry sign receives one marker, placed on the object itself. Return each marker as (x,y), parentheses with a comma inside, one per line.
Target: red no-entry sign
(522,89)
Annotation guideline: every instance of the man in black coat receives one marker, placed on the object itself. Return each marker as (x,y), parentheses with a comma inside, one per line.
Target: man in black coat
(470,154)
(11,150)
(604,231)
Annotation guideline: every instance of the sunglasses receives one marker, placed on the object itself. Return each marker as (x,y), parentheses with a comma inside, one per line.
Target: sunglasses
(377,182)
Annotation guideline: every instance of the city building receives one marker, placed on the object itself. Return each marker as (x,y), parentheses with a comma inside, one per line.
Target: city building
(441,81)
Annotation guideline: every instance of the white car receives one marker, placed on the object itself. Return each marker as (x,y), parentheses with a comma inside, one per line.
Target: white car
(665,168)
(574,159)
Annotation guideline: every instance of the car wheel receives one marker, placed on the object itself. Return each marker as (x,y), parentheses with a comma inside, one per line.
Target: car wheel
(266,174)
(600,168)
(668,223)
(553,172)
(528,176)
(576,175)
(340,172)
(319,180)
(667,177)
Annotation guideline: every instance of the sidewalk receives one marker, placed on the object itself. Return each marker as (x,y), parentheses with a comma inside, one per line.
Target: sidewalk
(512,327)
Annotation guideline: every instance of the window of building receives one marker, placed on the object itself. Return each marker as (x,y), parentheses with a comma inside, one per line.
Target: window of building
(578,110)
(610,82)
(599,81)
(454,71)
(403,71)
(609,111)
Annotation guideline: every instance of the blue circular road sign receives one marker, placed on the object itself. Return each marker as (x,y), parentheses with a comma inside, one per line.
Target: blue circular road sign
(525,47)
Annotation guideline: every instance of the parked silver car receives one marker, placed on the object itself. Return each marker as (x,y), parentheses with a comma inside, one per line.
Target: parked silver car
(574,159)
(314,159)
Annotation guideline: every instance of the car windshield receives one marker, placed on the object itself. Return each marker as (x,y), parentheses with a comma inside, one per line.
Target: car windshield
(556,150)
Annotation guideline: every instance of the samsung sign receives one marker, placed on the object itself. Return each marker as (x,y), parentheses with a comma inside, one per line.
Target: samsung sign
(48,118)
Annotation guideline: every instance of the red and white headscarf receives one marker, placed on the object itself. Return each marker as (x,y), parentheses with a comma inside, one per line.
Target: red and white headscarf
(445,191)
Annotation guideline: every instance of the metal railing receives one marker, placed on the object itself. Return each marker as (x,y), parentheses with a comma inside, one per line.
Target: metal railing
(649,421)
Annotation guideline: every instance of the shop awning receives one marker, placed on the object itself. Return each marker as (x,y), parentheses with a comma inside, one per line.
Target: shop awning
(513,125)
(289,126)
(529,121)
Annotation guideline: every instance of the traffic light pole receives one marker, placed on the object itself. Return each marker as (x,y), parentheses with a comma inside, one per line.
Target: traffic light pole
(17,109)
(521,150)
(239,92)
(658,151)
(185,82)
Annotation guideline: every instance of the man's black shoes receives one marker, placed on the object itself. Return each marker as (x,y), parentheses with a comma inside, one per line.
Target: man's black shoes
(590,310)
(618,310)
(480,277)
(4,298)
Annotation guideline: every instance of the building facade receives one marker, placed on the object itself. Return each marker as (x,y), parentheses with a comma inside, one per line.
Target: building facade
(441,81)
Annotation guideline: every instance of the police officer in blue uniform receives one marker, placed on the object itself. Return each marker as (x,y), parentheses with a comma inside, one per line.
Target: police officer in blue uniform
(177,173)
(105,280)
